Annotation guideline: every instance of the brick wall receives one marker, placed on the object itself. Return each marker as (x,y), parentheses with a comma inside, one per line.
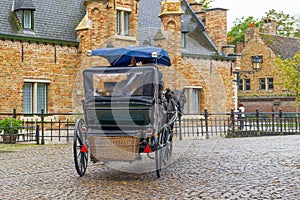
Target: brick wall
(216,26)
(212,76)
(38,64)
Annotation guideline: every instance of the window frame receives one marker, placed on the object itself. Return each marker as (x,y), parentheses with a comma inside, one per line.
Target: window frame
(190,104)
(28,14)
(268,84)
(244,84)
(122,21)
(183,40)
(247,84)
(262,84)
(34,96)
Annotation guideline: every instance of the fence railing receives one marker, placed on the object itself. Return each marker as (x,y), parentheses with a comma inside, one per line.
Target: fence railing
(59,127)
(41,127)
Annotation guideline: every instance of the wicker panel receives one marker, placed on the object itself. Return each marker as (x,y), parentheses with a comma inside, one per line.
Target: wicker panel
(118,148)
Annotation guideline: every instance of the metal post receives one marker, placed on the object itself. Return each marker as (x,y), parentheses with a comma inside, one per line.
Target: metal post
(42,119)
(273,121)
(180,129)
(232,120)
(14,113)
(206,123)
(280,121)
(37,134)
(257,119)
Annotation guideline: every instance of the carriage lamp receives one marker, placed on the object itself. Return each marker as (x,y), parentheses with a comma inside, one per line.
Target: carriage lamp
(256,61)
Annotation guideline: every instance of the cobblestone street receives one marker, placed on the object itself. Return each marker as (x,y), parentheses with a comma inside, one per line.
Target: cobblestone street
(218,168)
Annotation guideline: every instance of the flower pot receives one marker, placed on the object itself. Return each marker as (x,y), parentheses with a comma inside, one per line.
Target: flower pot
(9,139)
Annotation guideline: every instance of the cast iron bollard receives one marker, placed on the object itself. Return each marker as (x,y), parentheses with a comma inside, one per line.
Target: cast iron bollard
(42,119)
(206,123)
(37,134)
(232,120)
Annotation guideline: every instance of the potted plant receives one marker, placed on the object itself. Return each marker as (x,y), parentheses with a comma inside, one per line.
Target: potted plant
(10,126)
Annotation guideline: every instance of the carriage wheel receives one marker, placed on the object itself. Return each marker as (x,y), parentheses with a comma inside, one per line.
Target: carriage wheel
(163,155)
(168,146)
(158,158)
(80,149)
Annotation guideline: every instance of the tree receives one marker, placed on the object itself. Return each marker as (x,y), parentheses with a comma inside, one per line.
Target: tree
(205,3)
(288,72)
(285,23)
(237,32)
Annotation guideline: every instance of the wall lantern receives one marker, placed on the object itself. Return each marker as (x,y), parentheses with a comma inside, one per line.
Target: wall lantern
(256,61)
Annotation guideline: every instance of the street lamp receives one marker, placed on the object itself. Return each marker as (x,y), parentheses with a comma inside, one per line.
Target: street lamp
(256,61)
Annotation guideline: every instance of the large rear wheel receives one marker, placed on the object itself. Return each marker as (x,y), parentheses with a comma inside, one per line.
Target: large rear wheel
(158,160)
(80,150)
(168,146)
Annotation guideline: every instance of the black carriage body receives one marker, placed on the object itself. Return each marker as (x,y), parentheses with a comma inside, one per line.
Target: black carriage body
(122,101)
(125,113)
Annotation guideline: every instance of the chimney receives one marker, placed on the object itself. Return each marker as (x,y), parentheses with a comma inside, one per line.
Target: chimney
(195,6)
(216,26)
(251,32)
(270,26)
(228,49)
(170,33)
(239,47)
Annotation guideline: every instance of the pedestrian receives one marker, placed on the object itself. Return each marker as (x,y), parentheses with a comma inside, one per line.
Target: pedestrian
(241,116)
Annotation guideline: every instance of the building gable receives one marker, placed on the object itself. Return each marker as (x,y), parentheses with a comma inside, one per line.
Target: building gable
(197,40)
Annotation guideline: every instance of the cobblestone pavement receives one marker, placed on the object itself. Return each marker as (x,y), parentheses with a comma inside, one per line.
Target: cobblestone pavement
(239,168)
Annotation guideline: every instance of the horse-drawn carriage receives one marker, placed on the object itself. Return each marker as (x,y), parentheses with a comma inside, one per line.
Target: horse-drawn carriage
(126,113)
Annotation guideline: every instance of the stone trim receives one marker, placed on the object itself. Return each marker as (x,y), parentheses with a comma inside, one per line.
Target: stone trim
(38,40)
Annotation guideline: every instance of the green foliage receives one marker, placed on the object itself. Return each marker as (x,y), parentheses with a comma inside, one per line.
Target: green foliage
(288,71)
(206,3)
(237,32)
(7,123)
(286,25)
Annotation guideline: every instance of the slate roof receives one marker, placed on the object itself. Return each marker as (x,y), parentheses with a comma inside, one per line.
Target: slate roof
(287,47)
(53,19)
(198,43)
(23,4)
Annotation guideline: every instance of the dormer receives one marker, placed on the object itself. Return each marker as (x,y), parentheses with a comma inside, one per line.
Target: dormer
(24,9)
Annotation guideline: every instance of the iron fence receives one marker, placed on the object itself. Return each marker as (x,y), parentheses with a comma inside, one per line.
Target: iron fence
(59,127)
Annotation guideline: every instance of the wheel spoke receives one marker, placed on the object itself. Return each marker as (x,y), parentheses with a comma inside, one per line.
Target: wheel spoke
(80,158)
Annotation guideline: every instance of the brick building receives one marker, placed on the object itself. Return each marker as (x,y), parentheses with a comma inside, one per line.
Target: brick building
(258,88)
(44,48)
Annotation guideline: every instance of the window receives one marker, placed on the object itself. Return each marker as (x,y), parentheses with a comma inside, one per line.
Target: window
(122,22)
(192,104)
(244,84)
(28,19)
(247,84)
(266,84)
(240,84)
(262,84)
(270,83)
(35,97)
(183,40)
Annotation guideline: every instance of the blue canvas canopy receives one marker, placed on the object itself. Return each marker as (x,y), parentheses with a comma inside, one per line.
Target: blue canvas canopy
(122,56)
